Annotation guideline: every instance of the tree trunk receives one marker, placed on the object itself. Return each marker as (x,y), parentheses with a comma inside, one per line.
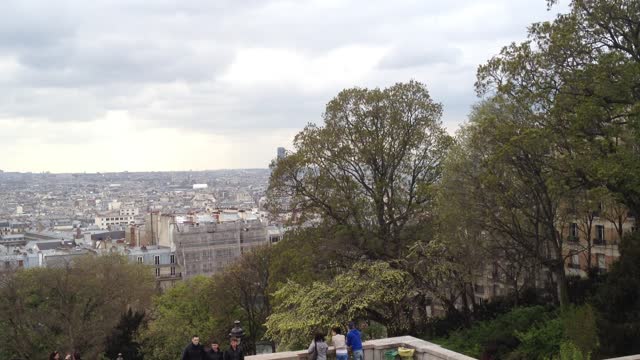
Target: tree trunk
(561,285)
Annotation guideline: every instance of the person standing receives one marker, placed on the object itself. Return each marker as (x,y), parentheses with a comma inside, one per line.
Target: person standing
(54,356)
(319,346)
(234,352)
(354,340)
(339,342)
(214,353)
(194,351)
(119,357)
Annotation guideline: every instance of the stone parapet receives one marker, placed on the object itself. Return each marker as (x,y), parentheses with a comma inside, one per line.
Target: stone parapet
(375,349)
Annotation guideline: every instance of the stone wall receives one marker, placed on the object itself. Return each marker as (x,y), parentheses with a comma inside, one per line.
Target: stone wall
(375,349)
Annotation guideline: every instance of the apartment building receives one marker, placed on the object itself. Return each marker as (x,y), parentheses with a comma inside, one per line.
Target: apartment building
(165,266)
(204,244)
(590,243)
(114,219)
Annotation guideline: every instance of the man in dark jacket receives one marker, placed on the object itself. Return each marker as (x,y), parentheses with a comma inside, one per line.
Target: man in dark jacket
(194,351)
(215,353)
(234,352)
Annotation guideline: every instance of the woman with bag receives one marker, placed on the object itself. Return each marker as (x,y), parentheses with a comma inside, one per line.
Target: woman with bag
(318,348)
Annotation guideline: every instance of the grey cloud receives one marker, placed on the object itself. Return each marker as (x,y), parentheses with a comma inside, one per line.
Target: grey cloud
(408,57)
(80,59)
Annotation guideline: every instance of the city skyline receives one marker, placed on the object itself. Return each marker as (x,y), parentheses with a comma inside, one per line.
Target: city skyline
(173,86)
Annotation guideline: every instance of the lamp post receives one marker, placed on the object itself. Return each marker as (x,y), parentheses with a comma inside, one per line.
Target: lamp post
(237,331)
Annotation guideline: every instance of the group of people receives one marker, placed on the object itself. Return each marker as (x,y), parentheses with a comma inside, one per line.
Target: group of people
(318,348)
(196,351)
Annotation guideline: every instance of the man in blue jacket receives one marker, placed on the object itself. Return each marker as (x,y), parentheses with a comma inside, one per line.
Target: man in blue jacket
(354,340)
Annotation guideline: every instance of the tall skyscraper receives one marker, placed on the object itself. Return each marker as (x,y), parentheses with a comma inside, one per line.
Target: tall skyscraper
(281,152)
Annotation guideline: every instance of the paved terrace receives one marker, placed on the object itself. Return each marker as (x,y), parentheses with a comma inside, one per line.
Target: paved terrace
(375,349)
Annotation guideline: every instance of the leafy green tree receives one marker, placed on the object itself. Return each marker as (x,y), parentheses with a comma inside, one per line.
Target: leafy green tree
(305,255)
(503,174)
(370,290)
(617,302)
(369,169)
(180,312)
(72,308)
(123,336)
(242,289)
(579,74)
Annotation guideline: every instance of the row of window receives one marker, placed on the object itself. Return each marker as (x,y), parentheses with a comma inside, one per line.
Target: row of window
(173,271)
(117,219)
(574,232)
(601,261)
(156,259)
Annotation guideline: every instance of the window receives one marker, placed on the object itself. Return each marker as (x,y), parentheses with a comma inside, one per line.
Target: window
(600,234)
(573,232)
(140,259)
(173,259)
(495,271)
(479,289)
(602,262)
(157,272)
(173,270)
(156,260)
(575,261)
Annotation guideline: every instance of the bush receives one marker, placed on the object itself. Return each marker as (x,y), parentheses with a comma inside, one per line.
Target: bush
(498,336)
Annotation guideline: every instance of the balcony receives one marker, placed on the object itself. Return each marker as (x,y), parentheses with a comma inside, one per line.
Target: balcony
(573,239)
(603,242)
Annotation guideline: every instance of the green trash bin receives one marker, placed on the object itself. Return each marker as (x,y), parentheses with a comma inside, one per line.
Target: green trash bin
(390,355)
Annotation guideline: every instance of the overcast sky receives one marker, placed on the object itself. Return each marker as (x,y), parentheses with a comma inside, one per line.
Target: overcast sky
(143,85)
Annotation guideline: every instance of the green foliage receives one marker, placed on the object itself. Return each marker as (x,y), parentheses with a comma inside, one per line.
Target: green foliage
(241,291)
(305,255)
(122,338)
(568,351)
(71,308)
(367,291)
(179,313)
(617,302)
(580,328)
(502,176)
(207,306)
(529,333)
(578,75)
(540,341)
(500,335)
(369,169)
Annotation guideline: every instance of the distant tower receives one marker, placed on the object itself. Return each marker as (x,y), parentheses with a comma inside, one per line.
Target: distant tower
(281,153)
